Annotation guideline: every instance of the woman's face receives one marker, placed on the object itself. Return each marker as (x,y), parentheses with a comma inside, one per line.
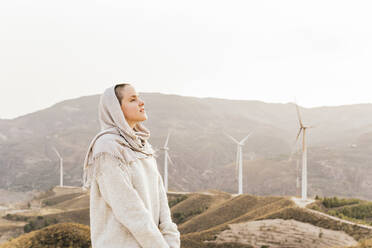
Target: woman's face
(132,106)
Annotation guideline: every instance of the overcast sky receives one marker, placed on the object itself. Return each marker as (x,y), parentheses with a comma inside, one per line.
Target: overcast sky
(317,51)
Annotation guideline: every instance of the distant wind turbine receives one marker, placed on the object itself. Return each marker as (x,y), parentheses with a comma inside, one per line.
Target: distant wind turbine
(166,158)
(304,154)
(239,160)
(60,167)
(297,177)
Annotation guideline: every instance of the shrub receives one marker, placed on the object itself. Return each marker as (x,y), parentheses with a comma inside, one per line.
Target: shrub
(333,202)
(177,200)
(27,228)
(178,217)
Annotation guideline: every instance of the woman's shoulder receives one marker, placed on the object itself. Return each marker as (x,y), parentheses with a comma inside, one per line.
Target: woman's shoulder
(105,139)
(105,143)
(107,147)
(111,144)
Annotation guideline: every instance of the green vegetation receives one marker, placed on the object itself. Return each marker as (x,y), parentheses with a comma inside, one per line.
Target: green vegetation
(177,200)
(333,202)
(38,223)
(362,211)
(180,217)
(16,217)
(355,210)
(33,223)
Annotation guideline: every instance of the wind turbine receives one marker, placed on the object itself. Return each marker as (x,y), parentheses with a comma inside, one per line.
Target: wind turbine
(166,158)
(60,167)
(239,160)
(304,154)
(297,177)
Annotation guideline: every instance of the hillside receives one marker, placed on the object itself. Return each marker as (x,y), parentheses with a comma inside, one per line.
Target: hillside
(59,235)
(356,210)
(205,219)
(339,146)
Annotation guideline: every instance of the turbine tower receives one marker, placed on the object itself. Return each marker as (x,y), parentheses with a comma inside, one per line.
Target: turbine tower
(166,158)
(297,177)
(239,160)
(304,154)
(60,167)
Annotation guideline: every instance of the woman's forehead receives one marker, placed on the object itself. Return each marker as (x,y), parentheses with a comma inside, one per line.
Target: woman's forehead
(129,91)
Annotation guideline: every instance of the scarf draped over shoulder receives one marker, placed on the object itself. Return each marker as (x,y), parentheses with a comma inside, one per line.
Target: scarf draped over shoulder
(116,137)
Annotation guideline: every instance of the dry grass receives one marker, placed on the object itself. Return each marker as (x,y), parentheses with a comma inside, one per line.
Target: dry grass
(80,216)
(53,200)
(81,201)
(215,220)
(196,204)
(59,235)
(225,212)
(202,217)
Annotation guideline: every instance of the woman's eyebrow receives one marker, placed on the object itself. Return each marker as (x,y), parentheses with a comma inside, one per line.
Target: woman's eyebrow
(135,95)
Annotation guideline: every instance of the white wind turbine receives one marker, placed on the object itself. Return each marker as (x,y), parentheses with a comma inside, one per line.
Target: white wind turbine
(297,177)
(239,160)
(304,154)
(60,167)
(166,158)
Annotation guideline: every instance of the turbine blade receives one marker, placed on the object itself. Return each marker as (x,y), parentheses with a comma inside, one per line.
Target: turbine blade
(299,115)
(295,143)
(55,150)
(246,137)
(231,138)
(298,134)
(166,142)
(170,160)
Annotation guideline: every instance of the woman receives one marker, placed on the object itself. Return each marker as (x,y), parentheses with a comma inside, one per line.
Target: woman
(128,203)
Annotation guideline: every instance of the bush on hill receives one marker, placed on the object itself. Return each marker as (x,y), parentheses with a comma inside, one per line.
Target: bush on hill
(69,235)
(333,202)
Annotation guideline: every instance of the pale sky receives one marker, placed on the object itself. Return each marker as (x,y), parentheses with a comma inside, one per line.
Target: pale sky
(317,51)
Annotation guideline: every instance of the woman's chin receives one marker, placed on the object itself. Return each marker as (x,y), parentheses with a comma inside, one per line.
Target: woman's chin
(144,117)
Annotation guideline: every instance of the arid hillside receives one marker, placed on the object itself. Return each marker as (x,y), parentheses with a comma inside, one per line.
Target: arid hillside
(60,217)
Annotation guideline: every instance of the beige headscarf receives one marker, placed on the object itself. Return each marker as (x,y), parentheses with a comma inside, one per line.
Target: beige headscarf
(121,140)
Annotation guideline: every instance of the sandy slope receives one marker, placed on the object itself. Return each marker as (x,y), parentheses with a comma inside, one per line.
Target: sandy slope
(283,233)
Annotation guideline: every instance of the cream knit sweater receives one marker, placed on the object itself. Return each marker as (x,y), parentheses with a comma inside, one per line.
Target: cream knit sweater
(129,206)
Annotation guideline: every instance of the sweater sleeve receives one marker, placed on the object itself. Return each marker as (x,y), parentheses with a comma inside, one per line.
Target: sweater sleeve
(114,182)
(167,227)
